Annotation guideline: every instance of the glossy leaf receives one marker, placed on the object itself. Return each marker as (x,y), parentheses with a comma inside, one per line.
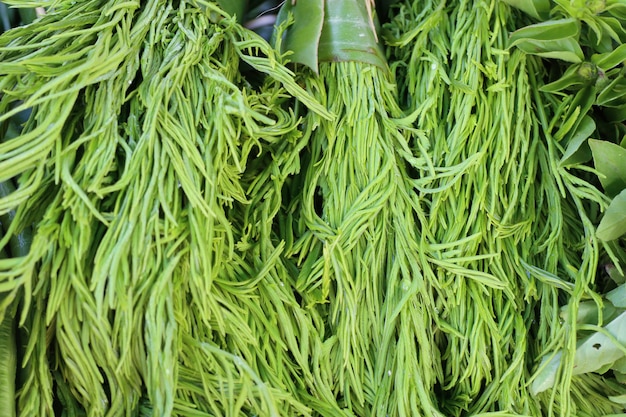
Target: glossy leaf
(617,297)
(348,34)
(611,59)
(616,9)
(615,274)
(552,39)
(599,350)
(615,113)
(579,9)
(620,365)
(602,29)
(593,354)
(575,77)
(564,49)
(621,378)
(614,94)
(539,9)
(613,223)
(612,27)
(610,161)
(577,150)
(333,31)
(549,30)
(303,35)
(587,312)
(619,399)
(544,380)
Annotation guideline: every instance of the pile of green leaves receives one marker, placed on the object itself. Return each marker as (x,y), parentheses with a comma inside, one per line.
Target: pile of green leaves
(400,209)
(584,102)
(500,247)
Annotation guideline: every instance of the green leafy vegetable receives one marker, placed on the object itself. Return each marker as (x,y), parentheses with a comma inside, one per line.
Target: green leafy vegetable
(577,150)
(551,39)
(537,8)
(613,223)
(349,33)
(609,162)
(302,36)
(603,347)
(358,220)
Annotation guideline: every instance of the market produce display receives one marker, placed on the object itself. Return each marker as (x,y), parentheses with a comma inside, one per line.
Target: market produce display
(312,208)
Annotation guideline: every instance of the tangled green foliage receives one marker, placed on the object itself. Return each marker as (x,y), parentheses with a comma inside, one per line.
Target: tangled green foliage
(131,169)
(214,233)
(493,190)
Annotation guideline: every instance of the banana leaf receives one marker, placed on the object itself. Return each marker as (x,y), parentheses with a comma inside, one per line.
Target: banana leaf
(331,31)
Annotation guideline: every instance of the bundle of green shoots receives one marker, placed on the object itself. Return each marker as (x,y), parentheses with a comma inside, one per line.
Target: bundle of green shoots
(410,218)
(145,269)
(508,239)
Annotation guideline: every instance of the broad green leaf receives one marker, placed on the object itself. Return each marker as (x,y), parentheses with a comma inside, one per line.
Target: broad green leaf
(615,275)
(577,150)
(575,77)
(593,354)
(602,45)
(547,31)
(615,113)
(349,34)
(303,36)
(539,9)
(616,9)
(619,399)
(617,296)
(610,161)
(548,367)
(611,28)
(579,8)
(602,29)
(613,94)
(597,352)
(552,39)
(587,312)
(620,365)
(567,50)
(604,369)
(613,223)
